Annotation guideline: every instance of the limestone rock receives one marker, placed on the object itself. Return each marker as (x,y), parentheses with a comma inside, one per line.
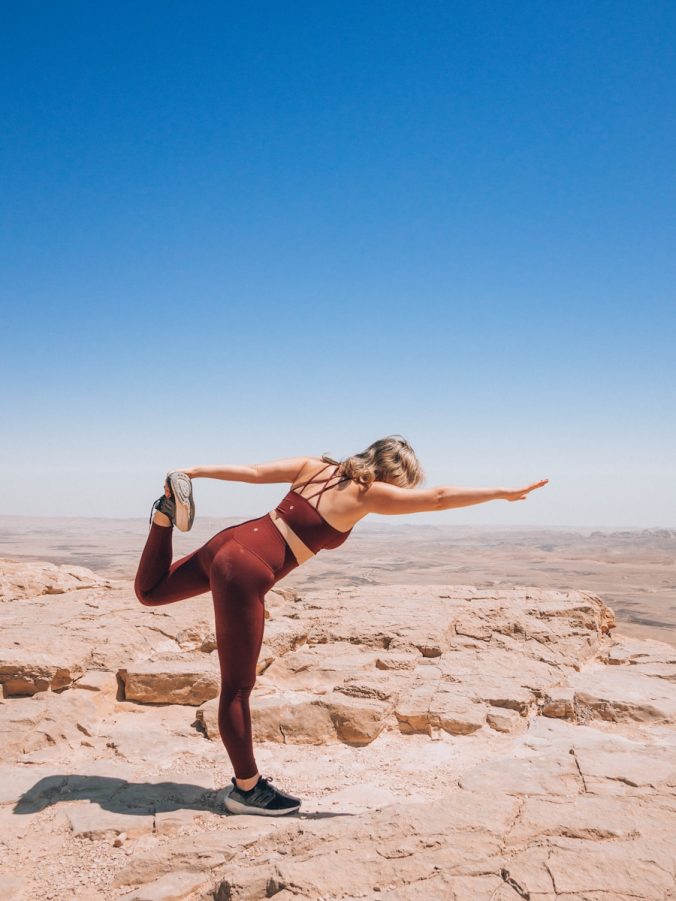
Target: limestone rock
(392,848)
(44,720)
(169,682)
(173,886)
(356,720)
(621,694)
(24,579)
(98,681)
(397,660)
(91,821)
(294,717)
(319,668)
(634,652)
(559,702)
(24,673)
(550,776)
(448,742)
(625,768)
(453,711)
(504,719)
(198,853)
(377,685)
(607,870)
(207,717)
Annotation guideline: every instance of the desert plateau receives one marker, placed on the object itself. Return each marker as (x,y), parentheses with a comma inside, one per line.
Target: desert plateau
(467,713)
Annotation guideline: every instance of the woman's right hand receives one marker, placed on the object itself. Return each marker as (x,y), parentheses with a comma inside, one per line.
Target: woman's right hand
(189,472)
(167,489)
(519,494)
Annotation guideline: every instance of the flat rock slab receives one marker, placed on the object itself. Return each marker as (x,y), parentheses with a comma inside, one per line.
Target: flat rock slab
(201,852)
(447,741)
(171,681)
(23,579)
(44,720)
(550,776)
(172,887)
(88,820)
(624,693)
(634,769)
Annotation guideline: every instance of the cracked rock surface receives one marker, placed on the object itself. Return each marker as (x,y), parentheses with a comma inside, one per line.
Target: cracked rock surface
(448,742)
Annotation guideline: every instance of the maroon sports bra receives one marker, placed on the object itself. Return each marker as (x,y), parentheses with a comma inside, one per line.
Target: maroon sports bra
(305,519)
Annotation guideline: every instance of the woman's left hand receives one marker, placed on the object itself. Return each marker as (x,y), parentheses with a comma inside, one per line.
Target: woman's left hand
(520,494)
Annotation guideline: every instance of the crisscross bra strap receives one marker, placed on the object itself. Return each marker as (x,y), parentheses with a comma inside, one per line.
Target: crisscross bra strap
(324,488)
(310,481)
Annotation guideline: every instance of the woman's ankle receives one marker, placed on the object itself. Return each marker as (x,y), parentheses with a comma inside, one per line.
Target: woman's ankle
(161,519)
(247,784)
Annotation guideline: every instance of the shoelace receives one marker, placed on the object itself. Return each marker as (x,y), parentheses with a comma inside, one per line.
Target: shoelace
(267,790)
(158,506)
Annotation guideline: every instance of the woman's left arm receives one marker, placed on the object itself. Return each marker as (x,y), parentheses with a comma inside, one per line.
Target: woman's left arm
(258,473)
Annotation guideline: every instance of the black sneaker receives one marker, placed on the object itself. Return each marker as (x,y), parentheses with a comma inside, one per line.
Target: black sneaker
(262,799)
(165,505)
(180,486)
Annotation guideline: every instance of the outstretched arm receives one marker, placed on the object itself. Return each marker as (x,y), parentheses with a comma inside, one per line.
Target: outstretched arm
(385,498)
(259,473)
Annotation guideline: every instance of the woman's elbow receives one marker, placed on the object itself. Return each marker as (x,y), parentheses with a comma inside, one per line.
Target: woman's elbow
(439,499)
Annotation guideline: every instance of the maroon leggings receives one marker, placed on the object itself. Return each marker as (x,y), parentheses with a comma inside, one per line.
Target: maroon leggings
(238,565)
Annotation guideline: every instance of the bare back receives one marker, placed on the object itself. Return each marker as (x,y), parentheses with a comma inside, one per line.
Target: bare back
(342,506)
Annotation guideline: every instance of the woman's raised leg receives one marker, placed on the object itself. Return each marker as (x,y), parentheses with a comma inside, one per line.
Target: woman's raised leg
(159,581)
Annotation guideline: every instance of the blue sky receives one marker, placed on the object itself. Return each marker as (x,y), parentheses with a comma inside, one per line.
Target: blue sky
(234,233)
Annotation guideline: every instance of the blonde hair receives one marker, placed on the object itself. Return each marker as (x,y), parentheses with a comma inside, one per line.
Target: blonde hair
(389,459)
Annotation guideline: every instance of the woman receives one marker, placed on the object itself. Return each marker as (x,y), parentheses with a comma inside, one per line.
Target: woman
(241,563)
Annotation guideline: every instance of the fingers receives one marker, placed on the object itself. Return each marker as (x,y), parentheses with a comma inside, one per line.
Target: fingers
(520,494)
(536,485)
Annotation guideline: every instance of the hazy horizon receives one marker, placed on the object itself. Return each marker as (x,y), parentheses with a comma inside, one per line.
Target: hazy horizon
(379,521)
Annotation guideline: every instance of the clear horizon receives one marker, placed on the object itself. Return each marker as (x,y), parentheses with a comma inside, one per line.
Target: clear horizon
(235,235)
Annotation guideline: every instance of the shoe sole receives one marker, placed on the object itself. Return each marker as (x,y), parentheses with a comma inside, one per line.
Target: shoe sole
(181,487)
(237,807)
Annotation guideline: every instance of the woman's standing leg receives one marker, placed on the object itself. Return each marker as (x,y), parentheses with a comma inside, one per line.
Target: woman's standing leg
(239,582)
(158,581)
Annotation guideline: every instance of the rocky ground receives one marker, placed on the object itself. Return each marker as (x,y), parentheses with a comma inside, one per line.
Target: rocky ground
(448,741)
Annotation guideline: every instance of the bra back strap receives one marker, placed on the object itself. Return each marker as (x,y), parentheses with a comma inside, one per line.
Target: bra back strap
(326,487)
(313,479)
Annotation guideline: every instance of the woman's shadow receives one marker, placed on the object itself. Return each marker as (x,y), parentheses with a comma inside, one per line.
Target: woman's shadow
(133,798)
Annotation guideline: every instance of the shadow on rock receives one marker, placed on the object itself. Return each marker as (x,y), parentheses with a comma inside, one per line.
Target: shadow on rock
(120,796)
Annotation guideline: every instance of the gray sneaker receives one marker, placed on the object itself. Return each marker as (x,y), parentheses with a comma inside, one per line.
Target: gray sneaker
(263,799)
(165,505)
(180,486)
